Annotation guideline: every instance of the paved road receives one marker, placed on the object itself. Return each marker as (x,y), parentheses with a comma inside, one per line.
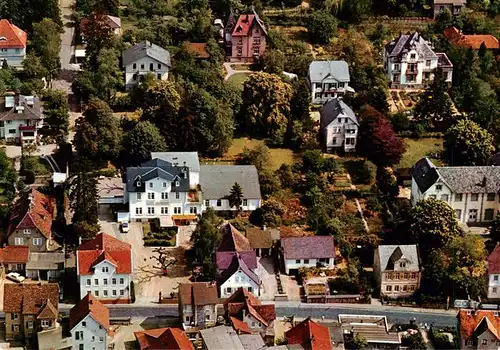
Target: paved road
(67,47)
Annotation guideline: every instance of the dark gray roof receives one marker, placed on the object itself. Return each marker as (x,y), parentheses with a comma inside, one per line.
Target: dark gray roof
(406,42)
(25,108)
(332,109)
(319,70)
(466,179)
(238,264)
(157,168)
(45,261)
(191,159)
(443,60)
(389,254)
(145,49)
(217,180)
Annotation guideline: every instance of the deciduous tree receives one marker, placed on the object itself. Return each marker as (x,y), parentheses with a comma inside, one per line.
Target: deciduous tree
(56,110)
(46,42)
(321,27)
(143,139)
(84,203)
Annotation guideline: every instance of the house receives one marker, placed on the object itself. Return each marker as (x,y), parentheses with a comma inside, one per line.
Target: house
(13,258)
(478,329)
(397,270)
(494,274)
(30,223)
(374,329)
(310,335)
(198,50)
(454,6)
(89,324)
(410,62)
(30,308)
(472,191)
(163,338)
(142,58)
(20,119)
(338,126)
(112,22)
(198,304)
(309,251)
(220,337)
(262,240)
(246,39)
(471,41)
(248,316)
(110,190)
(104,266)
(328,79)
(12,44)
(45,266)
(234,243)
(238,275)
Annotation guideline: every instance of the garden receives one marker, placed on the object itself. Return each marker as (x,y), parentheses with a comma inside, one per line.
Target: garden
(156,236)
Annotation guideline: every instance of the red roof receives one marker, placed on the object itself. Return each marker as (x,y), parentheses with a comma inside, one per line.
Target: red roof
(245,23)
(244,300)
(484,318)
(89,305)
(163,338)
(33,210)
(14,254)
(494,260)
(11,35)
(198,49)
(104,247)
(240,326)
(473,41)
(310,335)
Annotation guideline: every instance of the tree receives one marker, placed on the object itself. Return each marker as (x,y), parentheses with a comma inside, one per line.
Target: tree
(432,224)
(98,35)
(434,106)
(33,67)
(356,342)
(56,110)
(206,238)
(353,11)
(108,77)
(414,341)
(266,106)
(235,197)
(143,139)
(273,62)
(269,214)
(466,143)
(377,141)
(46,42)
(86,7)
(321,27)
(495,229)
(84,203)
(258,156)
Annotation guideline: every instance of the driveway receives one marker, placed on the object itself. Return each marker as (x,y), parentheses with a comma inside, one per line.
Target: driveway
(67,38)
(265,271)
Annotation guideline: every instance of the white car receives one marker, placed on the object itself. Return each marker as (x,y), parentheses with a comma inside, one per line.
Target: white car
(14,276)
(125,227)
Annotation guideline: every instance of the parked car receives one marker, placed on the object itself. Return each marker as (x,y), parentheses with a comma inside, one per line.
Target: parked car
(14,276)
(125,227)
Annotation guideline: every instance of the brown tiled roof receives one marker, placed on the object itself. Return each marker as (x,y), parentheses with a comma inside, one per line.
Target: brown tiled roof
(163,339)
(198,49)
(233,240)
(33,210)
(473,41)
(259,238)
(14,254)
(484,318)
(494,260)
(198,293)
(30,298)
(89,305)
(310,335)
(310,247)
(48,311)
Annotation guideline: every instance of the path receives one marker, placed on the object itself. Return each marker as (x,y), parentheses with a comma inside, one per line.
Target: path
(230,71)
(358,205)
(67,48)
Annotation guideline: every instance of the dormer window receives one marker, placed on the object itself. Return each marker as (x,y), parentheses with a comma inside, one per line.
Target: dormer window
(439,187)
(176,183)
(403,264)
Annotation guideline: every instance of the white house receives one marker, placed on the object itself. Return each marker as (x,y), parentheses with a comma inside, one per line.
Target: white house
(104,266)
(238,275)
(175,188)
(410,62)
(308,251)
(89,324)
(472,191)
(142,58)
(338,126)
(20,119)
(12,44)
(494,274)
(328,79)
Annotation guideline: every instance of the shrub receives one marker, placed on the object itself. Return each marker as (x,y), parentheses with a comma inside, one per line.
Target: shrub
(29,177)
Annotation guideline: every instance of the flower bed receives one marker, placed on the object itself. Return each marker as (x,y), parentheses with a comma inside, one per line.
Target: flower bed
(156,236)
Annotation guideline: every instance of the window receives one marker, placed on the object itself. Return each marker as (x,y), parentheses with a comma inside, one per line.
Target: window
(229,290)
(207,202)
(495,277)
(151,185)
(396,66)
(412,56)
(245,203)
(158,76)
(412,288)
(45,323)
(96,293)
(405,288)
(81,347)
(105,269)
(469,342)
(134,66)
(237,279)
(458,197)
(428,63)
(134,77)
(444,197)
(403,264)
(494,290)
(159,65)
(177,183)
(139,196)
(396,288)
(491,197)
(334,140)
(122,292)
(151,67)
(472,214)
(390,276)
(37,241)
(439,187)
(474,197)
(14,316)
(207,317)
(306,261)
(151,195)
(19,241)
(105,281)
(388,288)
(250,289)
(488,214)
(484,342)
(177,195)
(151,210)
(89,282)
(256,51)
(122,281)
(84,324)
(164,195)
(297,261)
(138,211)
(219,202)
(397,276)
(105,293)
(164,185)
(458,214)
(77,335)
(113,281)
(177,210)
(406,276)
(96,282)
(142,65)
(193,210)
(27,231)
(164,210)
(114,292)
(427,76)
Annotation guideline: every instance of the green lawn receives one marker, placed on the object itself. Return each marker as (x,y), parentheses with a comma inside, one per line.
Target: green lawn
(416,149)
(239,79)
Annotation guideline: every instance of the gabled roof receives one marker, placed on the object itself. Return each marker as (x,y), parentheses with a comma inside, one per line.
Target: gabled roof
(389,254)
(309,247)
(259,238)
(477,322)
(232,240)
(240,326)
(30,298)
(89,306)
(310,335)
(104,247)
(145,49)
(245,23)
(224,259)
(157,168)
(198,293)
(189,159)
(112,22)
(163,338)
(407,42)
(221,337)
(473,41)
(242,300)
(11,36)
(33,210)
(217,180)
(238,264)
(332,109)
(14,254)
(494,261)
(48,311)
(320,70)
(21,108)
(425,174)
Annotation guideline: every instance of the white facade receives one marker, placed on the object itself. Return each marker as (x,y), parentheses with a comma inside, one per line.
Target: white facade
(342,132)
(13,56)
(105,283)
(493,285)
(89,334)
(295,264)
(324,91)
(237,280)
(223,204)
(142,66)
